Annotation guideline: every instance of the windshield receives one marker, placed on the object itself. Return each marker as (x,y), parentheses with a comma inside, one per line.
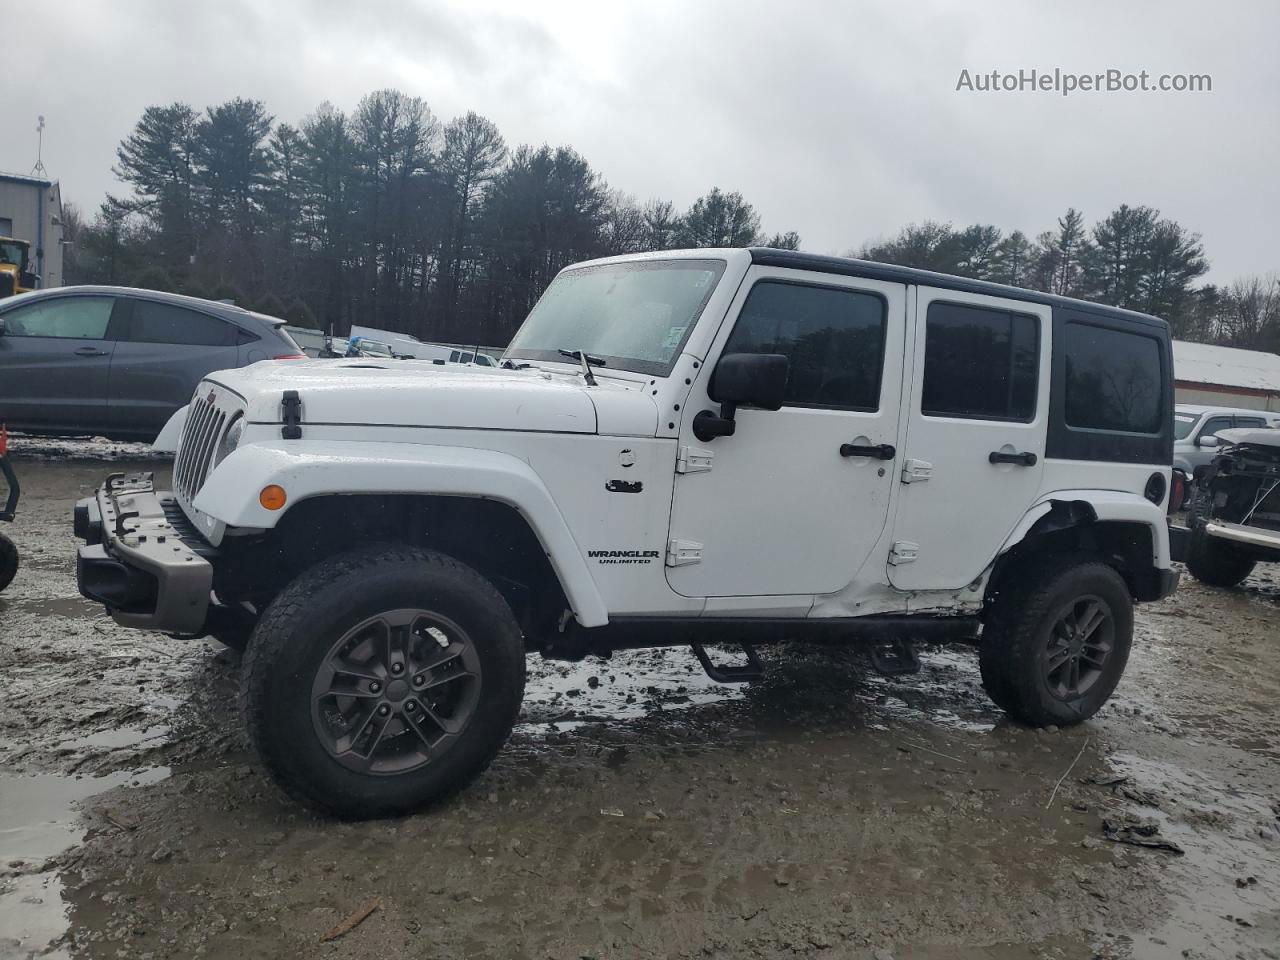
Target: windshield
(1182,424)
(15,253)
(635,315)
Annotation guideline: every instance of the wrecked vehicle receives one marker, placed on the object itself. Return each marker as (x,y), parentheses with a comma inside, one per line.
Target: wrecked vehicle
(680,448)
(1235,517)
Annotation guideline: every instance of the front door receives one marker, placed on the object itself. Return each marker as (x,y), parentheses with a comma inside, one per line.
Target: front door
(976,422)
(55,358)
(794,501)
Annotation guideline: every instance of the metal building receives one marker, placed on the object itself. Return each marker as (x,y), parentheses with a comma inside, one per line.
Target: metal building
(31,210)
(1225,376)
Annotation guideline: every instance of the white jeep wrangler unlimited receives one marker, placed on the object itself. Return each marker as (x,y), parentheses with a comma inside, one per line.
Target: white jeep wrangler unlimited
(682,447)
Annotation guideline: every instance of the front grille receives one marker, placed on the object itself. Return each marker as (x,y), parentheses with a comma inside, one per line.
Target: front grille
(195,452)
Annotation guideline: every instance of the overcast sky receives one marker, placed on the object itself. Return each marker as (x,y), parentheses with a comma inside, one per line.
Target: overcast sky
(837,119)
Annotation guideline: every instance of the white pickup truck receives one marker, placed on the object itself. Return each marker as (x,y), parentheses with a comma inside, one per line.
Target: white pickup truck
(680,447)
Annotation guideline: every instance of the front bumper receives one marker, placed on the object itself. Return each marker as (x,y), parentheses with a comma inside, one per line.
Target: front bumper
(142,559)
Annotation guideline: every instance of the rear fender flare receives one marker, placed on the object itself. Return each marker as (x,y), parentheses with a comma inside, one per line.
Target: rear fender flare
(1100,506)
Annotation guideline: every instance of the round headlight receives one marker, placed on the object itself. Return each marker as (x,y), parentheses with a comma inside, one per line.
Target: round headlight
(230,439)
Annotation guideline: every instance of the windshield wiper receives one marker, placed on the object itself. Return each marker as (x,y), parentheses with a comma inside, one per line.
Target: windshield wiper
(587,361)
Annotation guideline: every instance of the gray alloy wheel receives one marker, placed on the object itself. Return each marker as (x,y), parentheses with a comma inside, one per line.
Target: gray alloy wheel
(395,691)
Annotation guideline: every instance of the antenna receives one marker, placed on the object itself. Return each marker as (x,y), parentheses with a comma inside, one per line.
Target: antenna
(38,169)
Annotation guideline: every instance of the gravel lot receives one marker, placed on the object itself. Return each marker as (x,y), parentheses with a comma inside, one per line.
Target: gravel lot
(640,810)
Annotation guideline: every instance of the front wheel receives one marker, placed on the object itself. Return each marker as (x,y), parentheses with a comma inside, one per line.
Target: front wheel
(1057,642)
(382,680)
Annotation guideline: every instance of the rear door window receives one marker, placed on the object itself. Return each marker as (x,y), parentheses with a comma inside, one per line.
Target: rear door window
(1250,422)
(155,322)
(71,318)
(980,363)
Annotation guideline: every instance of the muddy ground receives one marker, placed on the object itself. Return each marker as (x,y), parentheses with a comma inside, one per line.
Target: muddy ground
(640,810)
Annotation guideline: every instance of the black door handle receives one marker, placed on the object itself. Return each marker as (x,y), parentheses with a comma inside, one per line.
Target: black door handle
(1021,459)
(90,352)
(881,451)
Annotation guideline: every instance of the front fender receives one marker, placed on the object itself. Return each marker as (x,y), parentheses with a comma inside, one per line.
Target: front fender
(167,440)
(1103,505)
(230,495)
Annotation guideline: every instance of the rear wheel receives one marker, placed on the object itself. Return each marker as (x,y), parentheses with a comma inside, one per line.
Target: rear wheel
(1216,563)
(382,680)
(8,561)
(1056,646)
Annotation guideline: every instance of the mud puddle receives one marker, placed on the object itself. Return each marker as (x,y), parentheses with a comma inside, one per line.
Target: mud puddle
(43,816)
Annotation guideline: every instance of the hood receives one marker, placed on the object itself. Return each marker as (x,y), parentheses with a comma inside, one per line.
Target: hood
(416,393)
(1250,436)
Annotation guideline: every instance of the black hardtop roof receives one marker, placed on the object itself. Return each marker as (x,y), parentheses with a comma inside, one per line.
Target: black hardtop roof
(849,267)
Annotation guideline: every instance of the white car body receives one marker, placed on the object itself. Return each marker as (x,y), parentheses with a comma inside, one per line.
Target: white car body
(706,534)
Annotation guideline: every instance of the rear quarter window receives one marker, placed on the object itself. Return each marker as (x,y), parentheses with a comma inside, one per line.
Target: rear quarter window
(155,322)
(1113,380)
(1111,396)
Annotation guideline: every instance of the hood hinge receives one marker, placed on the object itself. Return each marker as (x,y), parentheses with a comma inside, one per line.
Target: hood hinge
(291,416)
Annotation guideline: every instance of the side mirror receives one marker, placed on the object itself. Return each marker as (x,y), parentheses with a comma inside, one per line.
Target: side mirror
(742,379)
(1208,441)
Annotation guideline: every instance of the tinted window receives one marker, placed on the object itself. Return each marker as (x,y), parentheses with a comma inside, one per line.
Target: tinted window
(1214,424)
(1113,380)
(1250,422)
(80,318)
(833,338)
(979,363)
(162,323)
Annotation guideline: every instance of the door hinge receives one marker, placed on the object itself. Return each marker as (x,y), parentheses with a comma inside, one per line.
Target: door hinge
(904,551)
(681,552)
(916,471)
(693,460)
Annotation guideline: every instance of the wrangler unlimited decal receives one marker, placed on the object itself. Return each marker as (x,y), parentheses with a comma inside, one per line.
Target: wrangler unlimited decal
(624,556)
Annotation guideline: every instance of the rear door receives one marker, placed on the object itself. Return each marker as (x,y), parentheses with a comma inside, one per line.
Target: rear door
(55,359)
(977,419)
(164,353)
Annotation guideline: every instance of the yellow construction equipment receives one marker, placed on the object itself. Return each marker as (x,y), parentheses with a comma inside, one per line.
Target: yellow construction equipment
(15,267)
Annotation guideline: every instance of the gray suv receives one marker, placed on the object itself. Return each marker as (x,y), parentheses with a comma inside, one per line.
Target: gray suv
(118,362)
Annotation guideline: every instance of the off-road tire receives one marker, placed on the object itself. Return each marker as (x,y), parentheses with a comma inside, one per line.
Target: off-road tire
(294,635)
(1216,563)
(1018,630)
(8,561)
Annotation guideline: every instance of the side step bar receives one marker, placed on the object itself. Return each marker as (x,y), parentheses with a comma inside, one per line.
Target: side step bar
(753,669)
